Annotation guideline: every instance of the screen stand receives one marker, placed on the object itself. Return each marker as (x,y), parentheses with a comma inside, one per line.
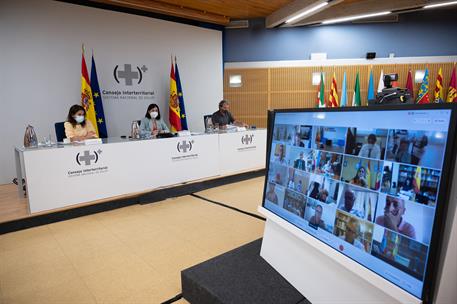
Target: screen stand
(319,277)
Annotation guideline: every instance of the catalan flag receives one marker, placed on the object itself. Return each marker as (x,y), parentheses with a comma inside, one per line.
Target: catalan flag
(439,90)
(182,109)
(87,100)
(422,97)
(174,114)
(320,93)
(452,90)
(333,99)
(98,103)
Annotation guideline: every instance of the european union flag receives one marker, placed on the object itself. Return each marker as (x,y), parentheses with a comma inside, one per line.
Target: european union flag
(98,104)
(182,109)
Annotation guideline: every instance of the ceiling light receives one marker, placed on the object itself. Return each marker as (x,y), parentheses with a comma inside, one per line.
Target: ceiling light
(440,4)
(354,18)
(307,12)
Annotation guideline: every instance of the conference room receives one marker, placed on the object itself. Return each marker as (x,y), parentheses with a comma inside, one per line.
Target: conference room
(249,151)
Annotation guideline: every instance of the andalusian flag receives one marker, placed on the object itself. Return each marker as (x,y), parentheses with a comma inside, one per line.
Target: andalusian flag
(320,93)
(86,95)
(409,84)
(98,103)
(344,93)
(182,109)
(174,113)
(422,97)
(333,100)
(370,95)
(452,91)
(356,100)
(439,90)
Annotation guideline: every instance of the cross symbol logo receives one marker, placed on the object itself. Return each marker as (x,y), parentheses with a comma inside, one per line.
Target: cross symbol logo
(144,68)
(86,158)
(247,139)
(184,146)
(128,75)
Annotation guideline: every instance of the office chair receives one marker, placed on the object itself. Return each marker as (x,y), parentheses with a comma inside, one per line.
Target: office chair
(60,131)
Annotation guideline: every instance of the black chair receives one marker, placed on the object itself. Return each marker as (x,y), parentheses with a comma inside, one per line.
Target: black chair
(208,121)
(60,131)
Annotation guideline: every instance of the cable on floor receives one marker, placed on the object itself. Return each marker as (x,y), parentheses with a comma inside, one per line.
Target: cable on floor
(229,207)
(174,299)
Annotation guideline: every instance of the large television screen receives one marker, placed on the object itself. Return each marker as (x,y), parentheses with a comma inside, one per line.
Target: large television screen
(369,182)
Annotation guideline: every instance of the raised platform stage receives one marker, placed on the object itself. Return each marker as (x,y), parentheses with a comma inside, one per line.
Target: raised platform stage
(238,276)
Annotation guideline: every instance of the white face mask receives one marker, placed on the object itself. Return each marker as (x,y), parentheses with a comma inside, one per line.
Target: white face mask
(79,118)
(154,114)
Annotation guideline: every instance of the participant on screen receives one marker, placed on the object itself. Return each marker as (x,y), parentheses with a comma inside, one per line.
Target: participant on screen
(328,164)
(354,231)
(358,201)
(411,183)
(330,139)
(277,174)
(368,143)
(362,172)
(320,215)
(302,159)
(279,154)
(295,203)
(422,148)
(323,189)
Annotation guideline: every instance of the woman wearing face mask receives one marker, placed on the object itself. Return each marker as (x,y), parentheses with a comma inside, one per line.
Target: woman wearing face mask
(77,128)
(152,124)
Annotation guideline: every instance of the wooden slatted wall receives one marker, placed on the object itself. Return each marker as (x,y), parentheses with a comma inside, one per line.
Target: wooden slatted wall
(291,87)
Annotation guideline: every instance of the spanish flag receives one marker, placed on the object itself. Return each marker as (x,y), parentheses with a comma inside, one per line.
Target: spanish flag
(174,115)
(87,100)
(333,99)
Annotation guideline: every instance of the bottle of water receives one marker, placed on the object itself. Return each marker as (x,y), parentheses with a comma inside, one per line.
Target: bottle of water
(30,139)
(135,132)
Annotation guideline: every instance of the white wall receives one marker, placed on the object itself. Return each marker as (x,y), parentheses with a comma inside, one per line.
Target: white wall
(40,64)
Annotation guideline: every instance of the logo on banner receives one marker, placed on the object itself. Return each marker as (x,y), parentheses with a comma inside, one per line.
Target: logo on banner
(128,83)
(87,159)
(184,146)
(247,139)
(248,143)
(129,75)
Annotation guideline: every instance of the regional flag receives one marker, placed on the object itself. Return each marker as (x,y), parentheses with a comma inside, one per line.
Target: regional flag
(98,103)
(409,84)
(174,116)
(86,95)
(381,82)
(439,90)
(333,99)
(182,109)
(422,97)
(320,93)
(356,100)
(344,94)
(370,95)
(417,180)
(452,90)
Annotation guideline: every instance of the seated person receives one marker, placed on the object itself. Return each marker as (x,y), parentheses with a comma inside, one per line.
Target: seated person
(271,194)
(297,140)
(314,193)
(403,155)
(371,149)
(360,178)
(348,204)
(322,196)
(393,217)
(151,123)
(223,117)
(300,162)
(77,128)
(316,221)
(352,232)
(299,186)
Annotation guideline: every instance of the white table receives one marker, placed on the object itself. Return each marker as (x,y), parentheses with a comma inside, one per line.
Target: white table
(66,175)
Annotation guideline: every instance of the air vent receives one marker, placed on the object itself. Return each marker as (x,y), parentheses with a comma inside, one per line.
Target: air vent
(238,24)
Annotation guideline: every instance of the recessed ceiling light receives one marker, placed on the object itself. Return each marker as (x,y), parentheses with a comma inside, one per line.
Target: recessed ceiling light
(330,21)
(307,12)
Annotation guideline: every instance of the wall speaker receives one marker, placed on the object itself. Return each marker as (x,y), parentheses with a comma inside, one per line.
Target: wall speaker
(371,55)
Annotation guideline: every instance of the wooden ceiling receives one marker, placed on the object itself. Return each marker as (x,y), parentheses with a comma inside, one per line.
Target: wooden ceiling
(212,11)
(276,12)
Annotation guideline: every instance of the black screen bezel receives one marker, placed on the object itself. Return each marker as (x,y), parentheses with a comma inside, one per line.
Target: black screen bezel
(439,224)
